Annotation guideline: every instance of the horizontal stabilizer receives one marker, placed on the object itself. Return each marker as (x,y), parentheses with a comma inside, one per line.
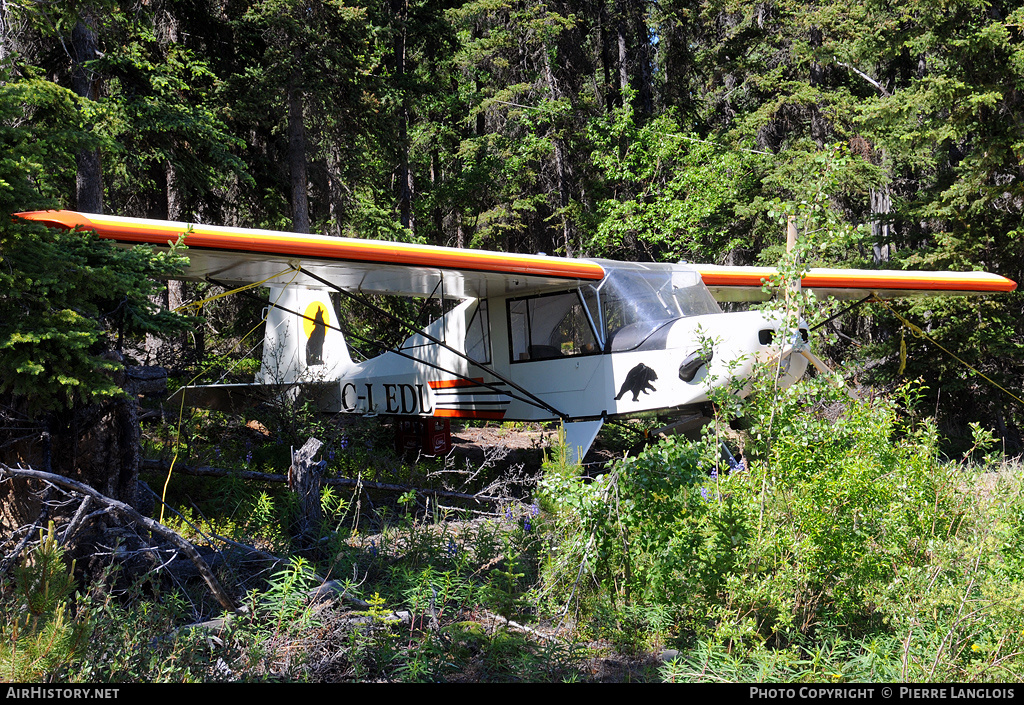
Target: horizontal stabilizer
(237,398)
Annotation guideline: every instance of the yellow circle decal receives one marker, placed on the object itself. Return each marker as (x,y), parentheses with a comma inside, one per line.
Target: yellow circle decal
(310,320)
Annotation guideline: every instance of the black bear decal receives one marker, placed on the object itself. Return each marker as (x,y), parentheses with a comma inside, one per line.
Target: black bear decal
(638,380)
(315,344)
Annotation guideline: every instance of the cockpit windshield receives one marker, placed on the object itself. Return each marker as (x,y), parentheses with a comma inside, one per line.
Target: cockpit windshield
(636,300)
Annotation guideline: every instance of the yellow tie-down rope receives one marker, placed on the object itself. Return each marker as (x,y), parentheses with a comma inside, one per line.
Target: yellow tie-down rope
(203,302)
(181,410)
(916,330)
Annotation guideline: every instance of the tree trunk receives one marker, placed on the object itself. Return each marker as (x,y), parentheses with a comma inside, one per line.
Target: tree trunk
(560,163)
(5,38)
(606,62)
(406,184)
(89,179)
(297,156)
(881,205)
(435,185)
(644,70)
(304,480)
(621,34)
(173,296)
(96,444)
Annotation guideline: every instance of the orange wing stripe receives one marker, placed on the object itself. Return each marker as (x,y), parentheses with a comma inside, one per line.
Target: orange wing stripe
(139,231)
(868,280)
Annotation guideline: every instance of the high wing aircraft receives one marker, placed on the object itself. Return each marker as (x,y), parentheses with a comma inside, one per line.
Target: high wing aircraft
(532,337)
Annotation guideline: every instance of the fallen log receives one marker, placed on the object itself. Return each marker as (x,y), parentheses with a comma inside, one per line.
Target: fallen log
(210,471)
(131,514)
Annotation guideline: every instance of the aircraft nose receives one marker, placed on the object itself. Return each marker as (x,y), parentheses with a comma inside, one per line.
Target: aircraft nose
(769,333)
(782,342)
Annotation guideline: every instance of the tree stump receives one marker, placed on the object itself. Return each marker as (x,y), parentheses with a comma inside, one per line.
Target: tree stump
(304,480)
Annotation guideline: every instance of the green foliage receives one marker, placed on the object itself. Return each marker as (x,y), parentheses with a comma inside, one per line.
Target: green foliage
(56,322)
(846,550)
(38,160)
(287,598)
(136,638)
(847,545)
(65,298)
(41,635)
(160,110)
(674,193)
(838,530)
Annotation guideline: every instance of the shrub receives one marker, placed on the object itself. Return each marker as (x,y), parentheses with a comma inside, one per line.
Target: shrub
(841,499)
(41,637)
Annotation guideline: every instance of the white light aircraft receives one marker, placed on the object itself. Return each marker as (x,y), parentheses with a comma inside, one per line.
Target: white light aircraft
(533,338)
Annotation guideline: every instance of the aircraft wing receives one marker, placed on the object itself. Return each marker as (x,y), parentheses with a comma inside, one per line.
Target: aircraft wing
(240,256)
(745,283)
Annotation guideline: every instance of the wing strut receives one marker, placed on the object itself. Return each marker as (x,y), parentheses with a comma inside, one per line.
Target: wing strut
(852,306)
(533,399)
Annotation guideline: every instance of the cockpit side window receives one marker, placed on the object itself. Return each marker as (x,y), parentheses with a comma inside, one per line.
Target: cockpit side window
(550,326)
(692,297)
(478,338)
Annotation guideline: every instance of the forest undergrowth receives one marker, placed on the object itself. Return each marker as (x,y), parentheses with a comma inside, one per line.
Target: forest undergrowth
(842,546)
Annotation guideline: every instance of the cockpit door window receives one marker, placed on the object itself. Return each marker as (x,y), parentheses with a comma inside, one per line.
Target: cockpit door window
(550,326)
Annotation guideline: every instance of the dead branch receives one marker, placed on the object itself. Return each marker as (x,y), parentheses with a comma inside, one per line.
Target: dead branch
(330,589)
(41,522)
(76,520)
(325,590)
(10,560)
(210,471)
(495,618)
(129,513)
(878,86)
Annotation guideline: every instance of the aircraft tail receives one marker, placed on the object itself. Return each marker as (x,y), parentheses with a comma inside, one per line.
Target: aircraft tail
(303,343)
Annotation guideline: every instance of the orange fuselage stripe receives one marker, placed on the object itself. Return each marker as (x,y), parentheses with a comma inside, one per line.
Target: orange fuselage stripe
(469,414)
(139,231)
(449,383)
